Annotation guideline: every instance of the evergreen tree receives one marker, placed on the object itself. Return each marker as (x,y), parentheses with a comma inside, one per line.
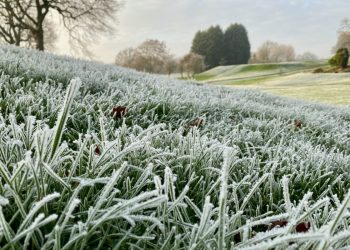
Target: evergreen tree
(210,44)
(236,45)
(216,46)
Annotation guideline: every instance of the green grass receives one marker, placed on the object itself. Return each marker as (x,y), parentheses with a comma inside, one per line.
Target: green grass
(328,88)
(233,72)
(286,79)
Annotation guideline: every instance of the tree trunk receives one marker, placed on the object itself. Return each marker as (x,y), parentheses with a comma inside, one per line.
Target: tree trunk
(40,28)
(40,38)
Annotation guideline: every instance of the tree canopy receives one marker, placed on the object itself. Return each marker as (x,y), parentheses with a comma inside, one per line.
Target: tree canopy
(150,56)
(222,48)
(209,44)
(237,45)
(273,52)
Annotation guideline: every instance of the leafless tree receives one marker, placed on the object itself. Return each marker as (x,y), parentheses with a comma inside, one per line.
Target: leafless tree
(343,40)
(126,58)
(83,19)
(192,63)
(11,30)
(272,52)
(151,56)
(170,64)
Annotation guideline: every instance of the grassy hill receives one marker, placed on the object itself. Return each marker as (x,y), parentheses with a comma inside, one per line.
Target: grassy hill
(98,157)
(286,79)
(238,72)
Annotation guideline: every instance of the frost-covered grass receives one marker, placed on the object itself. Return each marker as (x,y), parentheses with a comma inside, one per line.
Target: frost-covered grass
(294,80)
(73,177)
(326,88)
(237,72)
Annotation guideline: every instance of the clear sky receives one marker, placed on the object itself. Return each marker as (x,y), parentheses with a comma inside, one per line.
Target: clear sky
(308,25)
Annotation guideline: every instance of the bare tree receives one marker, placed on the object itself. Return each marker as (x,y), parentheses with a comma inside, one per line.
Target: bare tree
(282,53)
(274,52)
(181,67)
(343,41)
(11,30)
(151,56)
(84,19)
(263,53)
(192,63)
(126,58)
(170,64)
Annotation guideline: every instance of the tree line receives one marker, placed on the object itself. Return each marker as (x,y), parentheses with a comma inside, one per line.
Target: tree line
(153,56)
(210,48)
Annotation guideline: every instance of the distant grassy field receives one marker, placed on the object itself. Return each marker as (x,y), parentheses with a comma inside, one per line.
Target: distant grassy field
(287,79)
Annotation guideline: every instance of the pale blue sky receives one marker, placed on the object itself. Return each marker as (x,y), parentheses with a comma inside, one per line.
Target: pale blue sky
(308,25)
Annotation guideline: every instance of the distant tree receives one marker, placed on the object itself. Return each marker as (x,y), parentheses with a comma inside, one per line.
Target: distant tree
(210,45)
(25,20)
(283,53)
(236,45)
(126,58)
(340,59)
(216,46)
(151,56)
(253,59)
(272,52)
(263,54)
(343,40)
(200,43)
(170,64)
(181,67)
(192,64)
(307,56)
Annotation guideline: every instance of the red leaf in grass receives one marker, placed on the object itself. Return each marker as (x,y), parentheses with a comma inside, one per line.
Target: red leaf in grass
(119,111)
(97,150)
(303,227)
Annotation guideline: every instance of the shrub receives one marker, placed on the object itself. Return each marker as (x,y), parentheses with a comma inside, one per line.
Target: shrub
(340,59)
